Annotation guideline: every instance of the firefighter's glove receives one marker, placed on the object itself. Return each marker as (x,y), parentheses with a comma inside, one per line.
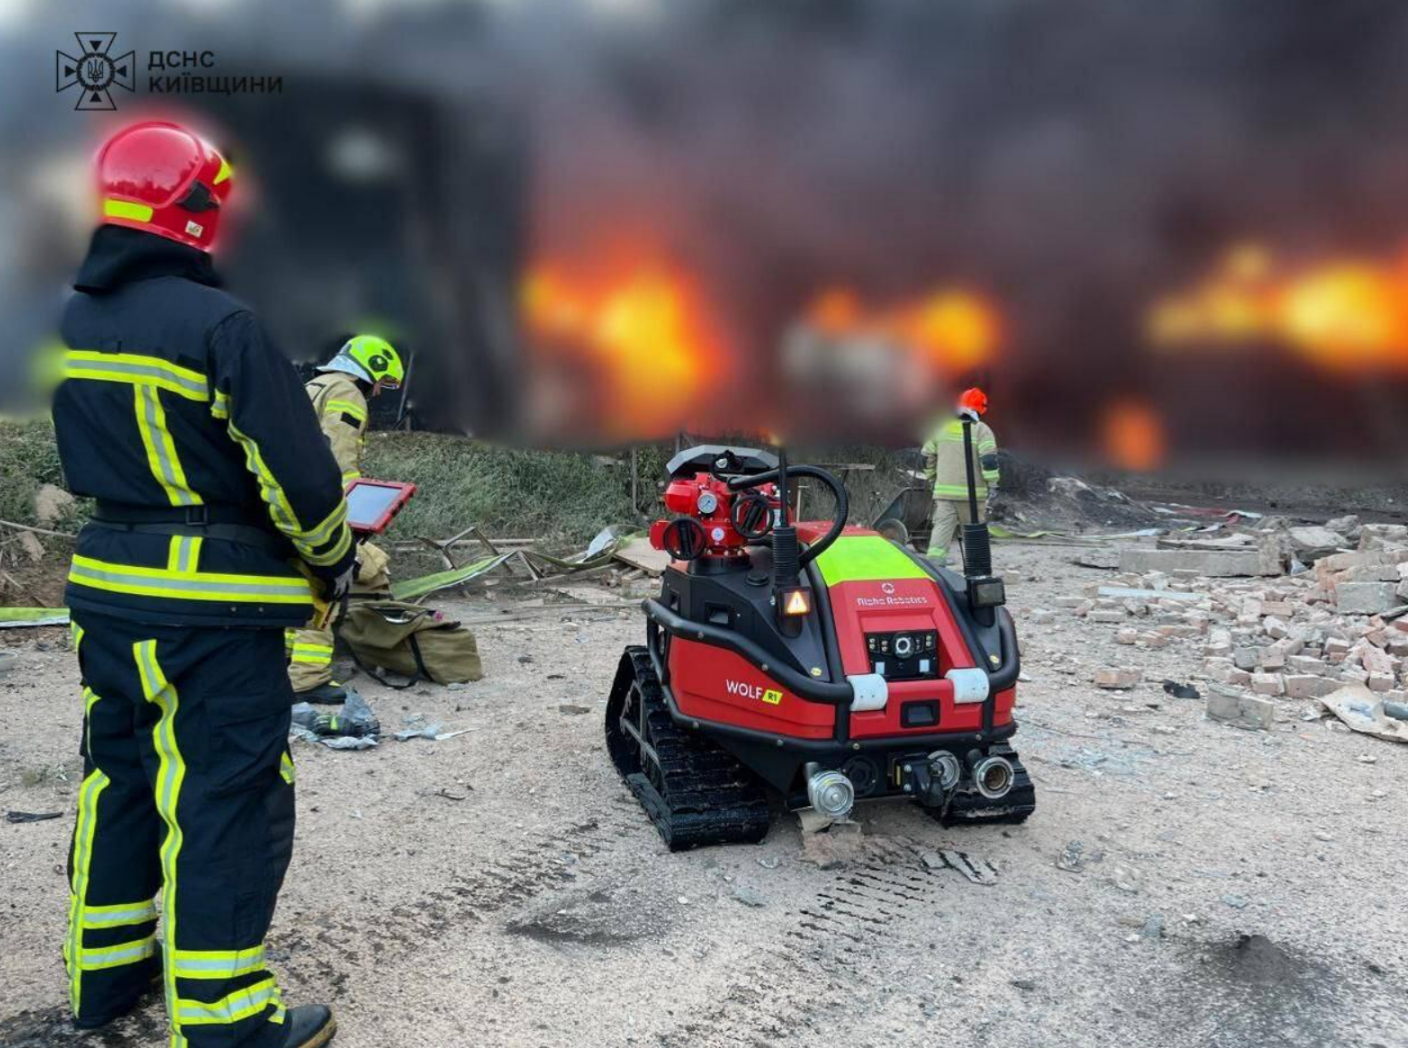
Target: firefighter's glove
(337,587)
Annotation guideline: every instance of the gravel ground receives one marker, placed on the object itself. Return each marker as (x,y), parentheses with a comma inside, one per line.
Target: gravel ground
(501,888)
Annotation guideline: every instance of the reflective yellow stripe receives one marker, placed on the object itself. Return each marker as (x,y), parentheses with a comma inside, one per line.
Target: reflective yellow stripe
(218,964)
(76,632)
(103,957)
(126,209)
(329,556)
(161,449)
(183,555)
(991,475)
(229,1009)
(355,410)
(957,490)
(287,770)
(312,654)
(119,916)
(325,531)
(84,830)
(269,488)
(171,774)
(220,406)
(188,585)
(136,369)
(281,511)
(351,475)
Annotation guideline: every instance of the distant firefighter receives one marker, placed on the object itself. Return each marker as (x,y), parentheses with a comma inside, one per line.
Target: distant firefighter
(945,468)
(361,369)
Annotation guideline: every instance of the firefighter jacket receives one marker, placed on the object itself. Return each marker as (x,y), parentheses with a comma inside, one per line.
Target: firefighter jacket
(194,435)
(341,407)
(944,466)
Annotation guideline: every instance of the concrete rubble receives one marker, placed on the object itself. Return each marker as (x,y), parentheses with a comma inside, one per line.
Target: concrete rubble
(1284,612)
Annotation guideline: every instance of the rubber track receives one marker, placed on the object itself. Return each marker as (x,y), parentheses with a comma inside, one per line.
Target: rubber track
(971,808)
(709,797)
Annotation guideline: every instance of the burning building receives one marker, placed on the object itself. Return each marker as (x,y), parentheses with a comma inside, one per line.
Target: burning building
(605,220)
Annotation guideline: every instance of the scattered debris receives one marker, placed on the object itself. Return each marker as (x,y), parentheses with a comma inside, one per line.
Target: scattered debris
(1072,857)
(1100,557)
(813,821)
(416,727)
(1147,594)
(1205,562)
(1365,598)
(598,554)
(639,553)
(20,618)
(1359,708)
(30,544)
(749,897)
(352,726)
(453,734)
(1181,691)
(836,846)
(31,816)
(1235,706)
(1117,678)
(573,710)
(51,504)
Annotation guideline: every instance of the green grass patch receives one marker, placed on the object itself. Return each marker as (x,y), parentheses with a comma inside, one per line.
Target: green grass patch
(559,497)
(29,458)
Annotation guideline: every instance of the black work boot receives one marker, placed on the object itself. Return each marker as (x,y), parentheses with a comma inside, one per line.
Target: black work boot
(309,1026)
(330,694)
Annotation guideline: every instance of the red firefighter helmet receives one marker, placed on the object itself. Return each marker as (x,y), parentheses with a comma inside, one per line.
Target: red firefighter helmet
(974,402)
(164,179)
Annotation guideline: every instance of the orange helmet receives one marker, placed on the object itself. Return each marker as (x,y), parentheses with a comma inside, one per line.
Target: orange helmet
(973,401)
(164,179)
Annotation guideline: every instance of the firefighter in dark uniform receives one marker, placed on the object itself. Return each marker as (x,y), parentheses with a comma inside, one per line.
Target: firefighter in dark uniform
(219,512)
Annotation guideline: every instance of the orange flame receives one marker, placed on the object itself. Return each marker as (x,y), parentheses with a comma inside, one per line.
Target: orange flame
(1132,433)
(642,334)
(1344,315)
(950,329)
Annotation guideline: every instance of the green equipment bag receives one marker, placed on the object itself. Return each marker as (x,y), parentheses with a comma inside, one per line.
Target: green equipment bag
(415,642)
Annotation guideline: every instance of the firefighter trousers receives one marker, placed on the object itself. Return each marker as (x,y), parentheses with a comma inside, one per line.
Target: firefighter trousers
(186,810)
(948,515)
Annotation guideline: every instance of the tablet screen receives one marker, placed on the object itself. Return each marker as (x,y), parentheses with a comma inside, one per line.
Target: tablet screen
(368,503)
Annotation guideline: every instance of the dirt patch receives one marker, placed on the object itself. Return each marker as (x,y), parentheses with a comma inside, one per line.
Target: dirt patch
(53,1028)
(427,919)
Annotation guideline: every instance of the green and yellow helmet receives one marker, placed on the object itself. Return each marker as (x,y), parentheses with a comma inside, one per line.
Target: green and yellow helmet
(371,359)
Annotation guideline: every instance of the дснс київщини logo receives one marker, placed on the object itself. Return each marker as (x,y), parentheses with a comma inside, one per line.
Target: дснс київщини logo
(96,71)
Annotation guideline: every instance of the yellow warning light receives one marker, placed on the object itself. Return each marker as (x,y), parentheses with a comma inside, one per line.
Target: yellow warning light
(797,602)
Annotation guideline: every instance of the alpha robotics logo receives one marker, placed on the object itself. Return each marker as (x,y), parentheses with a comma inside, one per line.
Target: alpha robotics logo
(95,72)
